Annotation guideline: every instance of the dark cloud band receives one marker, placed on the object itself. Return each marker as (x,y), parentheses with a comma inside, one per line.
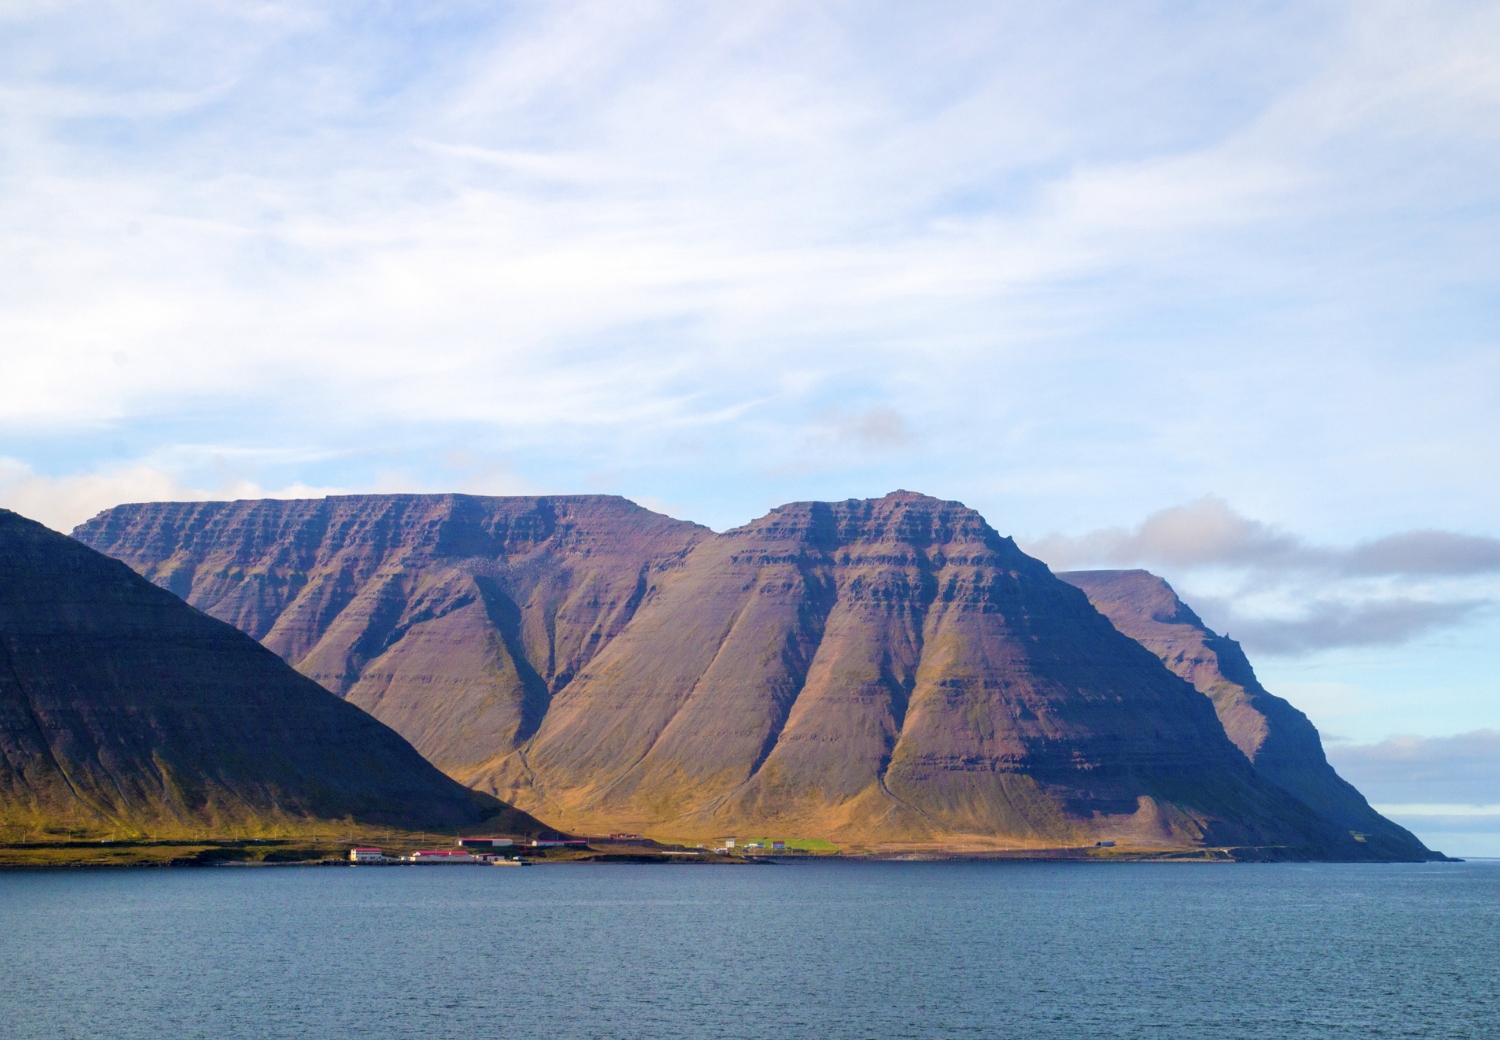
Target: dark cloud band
(1457,770)
(1340,608)
(1209,532)
(1328,625)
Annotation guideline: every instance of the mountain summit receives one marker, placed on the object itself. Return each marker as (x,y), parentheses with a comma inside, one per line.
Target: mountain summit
(881,672)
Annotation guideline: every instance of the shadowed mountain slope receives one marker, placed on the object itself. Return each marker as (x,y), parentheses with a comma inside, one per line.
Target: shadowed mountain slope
(1280,740)
(882,671)
(122,707)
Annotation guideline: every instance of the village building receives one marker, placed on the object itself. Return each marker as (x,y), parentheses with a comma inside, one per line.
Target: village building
(440,856)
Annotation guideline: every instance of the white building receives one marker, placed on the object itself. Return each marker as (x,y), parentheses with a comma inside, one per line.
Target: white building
(440,856)
(366,856)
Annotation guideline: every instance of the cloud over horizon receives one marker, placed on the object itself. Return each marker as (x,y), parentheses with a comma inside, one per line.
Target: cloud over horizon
(1209,533)
(1325,624)
(1461,770)
(1285,595)
(64,503)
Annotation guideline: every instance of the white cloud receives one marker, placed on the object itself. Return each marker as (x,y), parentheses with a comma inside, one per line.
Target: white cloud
(1097,258)
(63,503)
(457,240)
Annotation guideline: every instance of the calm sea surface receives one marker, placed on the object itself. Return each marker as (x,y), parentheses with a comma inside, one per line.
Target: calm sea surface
(808,950)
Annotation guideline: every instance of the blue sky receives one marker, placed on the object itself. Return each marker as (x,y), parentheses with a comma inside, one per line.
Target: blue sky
(1126,277)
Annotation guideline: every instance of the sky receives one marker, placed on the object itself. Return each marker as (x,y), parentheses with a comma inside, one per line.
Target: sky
(1207,288)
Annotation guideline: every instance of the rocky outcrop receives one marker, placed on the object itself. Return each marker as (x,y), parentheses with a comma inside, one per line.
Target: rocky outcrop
(1282,742)
(124,709)
(883,671)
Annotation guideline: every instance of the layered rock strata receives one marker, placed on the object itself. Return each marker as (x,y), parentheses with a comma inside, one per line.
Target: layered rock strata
(890,671)
(455,619)
(122,708)
(1279,740)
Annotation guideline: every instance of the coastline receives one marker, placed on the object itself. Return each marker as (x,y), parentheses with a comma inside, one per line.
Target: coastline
(210,852)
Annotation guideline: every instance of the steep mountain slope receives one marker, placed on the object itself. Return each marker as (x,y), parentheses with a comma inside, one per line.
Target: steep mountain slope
(123,707)
(452,618)
(886,671)
(1280,740)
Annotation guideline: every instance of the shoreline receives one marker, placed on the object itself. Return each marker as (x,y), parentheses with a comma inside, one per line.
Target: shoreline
(197,854)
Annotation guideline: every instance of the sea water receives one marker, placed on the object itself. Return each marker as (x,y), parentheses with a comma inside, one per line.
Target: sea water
(817,950)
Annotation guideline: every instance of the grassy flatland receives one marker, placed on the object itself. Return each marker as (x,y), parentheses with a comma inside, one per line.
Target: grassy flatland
(164,853)
(328,846)
(794,844)
(300,842)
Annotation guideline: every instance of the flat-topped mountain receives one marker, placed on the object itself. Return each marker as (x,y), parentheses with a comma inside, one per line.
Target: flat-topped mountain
(455,619)
(123,708)
(882,671)
(1280,740)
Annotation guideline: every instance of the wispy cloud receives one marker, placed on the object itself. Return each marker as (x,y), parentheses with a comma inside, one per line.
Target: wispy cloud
(639,214)
(1064,262)
(874,429)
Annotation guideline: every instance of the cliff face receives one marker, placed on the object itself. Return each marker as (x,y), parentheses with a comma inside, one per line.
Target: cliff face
(122,707)
(452,618)
(1282,742)
(889,670)
(885,670)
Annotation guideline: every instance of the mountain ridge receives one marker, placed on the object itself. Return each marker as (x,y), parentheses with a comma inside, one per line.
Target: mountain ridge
(880,671)
(1279,740)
